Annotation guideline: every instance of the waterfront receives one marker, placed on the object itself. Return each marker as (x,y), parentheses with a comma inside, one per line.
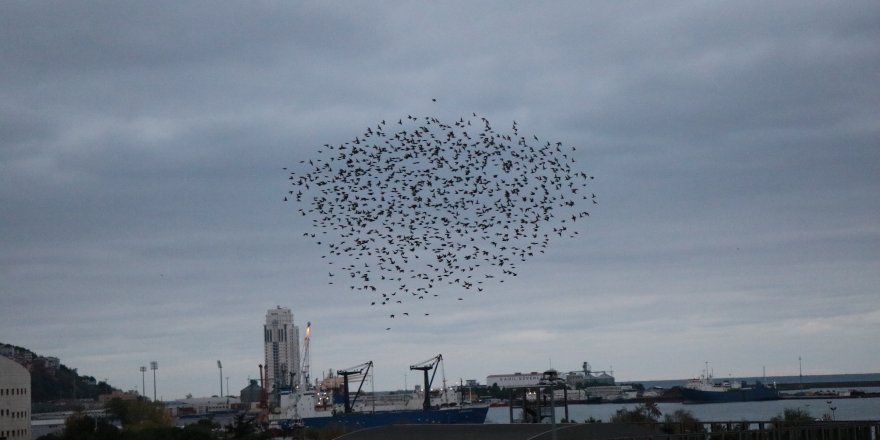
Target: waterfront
(846,409)
(781,380)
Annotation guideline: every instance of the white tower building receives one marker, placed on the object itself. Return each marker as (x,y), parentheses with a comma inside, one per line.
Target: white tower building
(281,342)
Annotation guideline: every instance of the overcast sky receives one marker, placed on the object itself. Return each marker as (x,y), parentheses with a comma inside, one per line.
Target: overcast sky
(736,149)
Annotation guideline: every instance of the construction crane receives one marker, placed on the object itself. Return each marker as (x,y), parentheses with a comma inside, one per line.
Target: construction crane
(426,366)
(363,370)
(305,365)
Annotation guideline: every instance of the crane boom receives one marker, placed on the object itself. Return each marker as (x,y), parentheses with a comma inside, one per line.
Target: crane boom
(305,364)
(363,370)
(426,366)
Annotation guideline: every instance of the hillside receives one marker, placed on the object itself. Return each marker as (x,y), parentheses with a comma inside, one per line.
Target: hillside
(52,380)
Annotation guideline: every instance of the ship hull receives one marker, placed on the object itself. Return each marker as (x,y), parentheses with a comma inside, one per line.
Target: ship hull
(409,417)
(757,393)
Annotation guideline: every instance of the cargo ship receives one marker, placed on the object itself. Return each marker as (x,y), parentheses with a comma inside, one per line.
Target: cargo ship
(706,390)
(310,413)
(316,408)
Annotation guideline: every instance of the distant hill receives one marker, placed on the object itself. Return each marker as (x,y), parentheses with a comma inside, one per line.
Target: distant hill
(51,380)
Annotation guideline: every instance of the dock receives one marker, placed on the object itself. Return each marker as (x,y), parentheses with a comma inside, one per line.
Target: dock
(588,431)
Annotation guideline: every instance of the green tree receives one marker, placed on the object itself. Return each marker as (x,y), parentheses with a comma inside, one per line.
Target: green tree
(647,412)
(792,417)
(242,426)
(681,422)
(496,391)
(139,414)
(82,427)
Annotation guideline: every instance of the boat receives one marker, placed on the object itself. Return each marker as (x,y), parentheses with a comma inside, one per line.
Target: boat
(706,390)
(312,415)
(316,408)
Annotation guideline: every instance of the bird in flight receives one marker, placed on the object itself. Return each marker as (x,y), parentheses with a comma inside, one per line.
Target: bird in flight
(429,207)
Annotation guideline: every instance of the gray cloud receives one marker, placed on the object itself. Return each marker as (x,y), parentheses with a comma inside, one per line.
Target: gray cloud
(735,149)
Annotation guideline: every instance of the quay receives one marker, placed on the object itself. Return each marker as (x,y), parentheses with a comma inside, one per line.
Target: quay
(851,430)
(792,386)
(543,431)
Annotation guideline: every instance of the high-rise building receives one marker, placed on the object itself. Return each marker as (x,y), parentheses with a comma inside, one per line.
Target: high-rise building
(281,342)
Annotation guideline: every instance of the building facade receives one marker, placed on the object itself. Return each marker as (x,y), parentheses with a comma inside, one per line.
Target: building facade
(515,380)
(15,400)
(250,395)
(573,379)
(281,346)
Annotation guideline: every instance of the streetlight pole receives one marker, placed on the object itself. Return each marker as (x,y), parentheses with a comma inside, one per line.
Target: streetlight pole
(144,380)
(832,408)
(220,366)
(154,365)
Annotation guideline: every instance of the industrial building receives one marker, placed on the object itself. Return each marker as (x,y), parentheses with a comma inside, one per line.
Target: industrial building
(574,379)
(514,380)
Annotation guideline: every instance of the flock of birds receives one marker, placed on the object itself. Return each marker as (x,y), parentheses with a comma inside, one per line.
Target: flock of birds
(412,205)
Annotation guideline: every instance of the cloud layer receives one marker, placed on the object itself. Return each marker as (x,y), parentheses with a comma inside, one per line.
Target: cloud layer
(735,149)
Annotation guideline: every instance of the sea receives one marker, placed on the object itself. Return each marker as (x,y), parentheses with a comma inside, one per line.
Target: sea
(845,409)
(816,378)
(867,408)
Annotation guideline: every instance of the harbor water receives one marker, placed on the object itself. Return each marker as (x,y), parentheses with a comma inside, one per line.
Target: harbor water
(845,409)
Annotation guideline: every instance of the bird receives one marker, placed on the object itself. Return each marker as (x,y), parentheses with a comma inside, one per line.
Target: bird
(430,205)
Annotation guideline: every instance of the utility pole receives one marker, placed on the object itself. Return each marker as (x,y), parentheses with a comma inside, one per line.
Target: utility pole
(801,372)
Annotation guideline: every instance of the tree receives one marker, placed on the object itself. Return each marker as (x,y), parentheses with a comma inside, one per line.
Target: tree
(792,417)
(139,414)
(201,430)
(496,391)
(242,426)
(681,422)
(82,427)
(647,412)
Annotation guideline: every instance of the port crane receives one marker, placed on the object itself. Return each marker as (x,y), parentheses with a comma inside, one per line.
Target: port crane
(304,376)
(424,367)
(363,370)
